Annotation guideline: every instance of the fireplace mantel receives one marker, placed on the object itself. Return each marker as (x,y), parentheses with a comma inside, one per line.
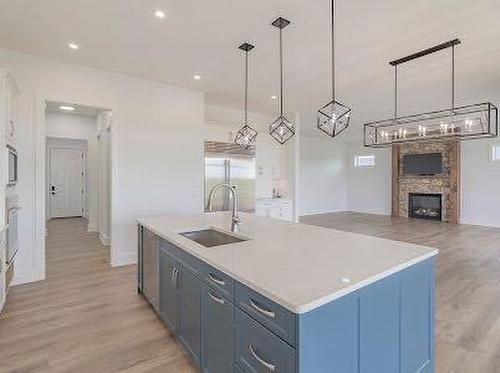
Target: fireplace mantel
(446,184)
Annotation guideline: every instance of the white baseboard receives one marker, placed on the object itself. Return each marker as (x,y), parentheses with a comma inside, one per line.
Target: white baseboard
(124,259)
(104,239)
(25,277)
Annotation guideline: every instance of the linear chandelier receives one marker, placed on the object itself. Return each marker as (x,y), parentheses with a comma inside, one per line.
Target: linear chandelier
(334,117)
(246,135)
(465,122)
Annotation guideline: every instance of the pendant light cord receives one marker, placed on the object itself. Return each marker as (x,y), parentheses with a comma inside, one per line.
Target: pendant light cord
(333,50)
(246,87)
(453,77)
(281,73)
(395,92)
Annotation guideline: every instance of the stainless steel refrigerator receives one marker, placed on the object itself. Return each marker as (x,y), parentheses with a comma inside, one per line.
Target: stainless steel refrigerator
(229,163)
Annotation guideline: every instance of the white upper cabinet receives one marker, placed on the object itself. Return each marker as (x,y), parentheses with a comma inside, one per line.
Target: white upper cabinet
(8,96)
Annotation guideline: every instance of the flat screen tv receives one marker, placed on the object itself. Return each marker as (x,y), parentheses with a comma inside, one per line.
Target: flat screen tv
(423,164)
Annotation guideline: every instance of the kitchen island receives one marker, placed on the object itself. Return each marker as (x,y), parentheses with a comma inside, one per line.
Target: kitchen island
(289,297)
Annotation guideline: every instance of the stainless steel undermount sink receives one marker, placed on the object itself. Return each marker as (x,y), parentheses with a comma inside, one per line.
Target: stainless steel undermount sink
(211,237)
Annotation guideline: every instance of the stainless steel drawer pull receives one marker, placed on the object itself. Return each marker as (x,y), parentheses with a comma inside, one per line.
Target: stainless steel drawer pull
(174,278)
(269,366)
(172,281)
(215,298)
(214,278)
(268,313)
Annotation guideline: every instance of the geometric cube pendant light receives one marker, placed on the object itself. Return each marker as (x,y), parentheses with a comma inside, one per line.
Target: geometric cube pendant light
(246,135)
(281,129)
(334,117)
(466,122)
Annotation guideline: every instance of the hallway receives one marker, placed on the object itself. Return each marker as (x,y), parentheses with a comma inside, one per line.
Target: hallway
(86,316)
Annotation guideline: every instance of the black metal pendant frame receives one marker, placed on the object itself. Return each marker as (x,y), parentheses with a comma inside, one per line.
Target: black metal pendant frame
(334,117)
(281,129)
(246,135)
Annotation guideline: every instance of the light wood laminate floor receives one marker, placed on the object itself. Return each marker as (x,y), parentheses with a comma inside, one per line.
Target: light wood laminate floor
(87,317)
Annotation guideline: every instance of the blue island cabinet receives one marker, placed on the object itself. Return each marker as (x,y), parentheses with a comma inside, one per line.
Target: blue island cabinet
(386,326)
(180,303)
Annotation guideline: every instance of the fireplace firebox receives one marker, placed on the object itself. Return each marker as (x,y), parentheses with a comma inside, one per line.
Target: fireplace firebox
(425,206)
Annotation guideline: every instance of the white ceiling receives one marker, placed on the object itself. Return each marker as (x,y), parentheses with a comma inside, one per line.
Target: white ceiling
(201,37)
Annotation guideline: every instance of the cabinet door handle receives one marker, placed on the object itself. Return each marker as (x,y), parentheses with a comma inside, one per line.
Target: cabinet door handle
(262,310)
(215,298)
(174,277)
(215,279)
(269,366)
(177,278)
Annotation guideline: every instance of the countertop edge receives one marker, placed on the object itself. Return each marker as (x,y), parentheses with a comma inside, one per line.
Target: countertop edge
(361,284)
(301,309)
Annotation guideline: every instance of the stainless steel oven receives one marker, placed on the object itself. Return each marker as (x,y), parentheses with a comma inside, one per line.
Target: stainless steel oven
(12,154)
(12,210)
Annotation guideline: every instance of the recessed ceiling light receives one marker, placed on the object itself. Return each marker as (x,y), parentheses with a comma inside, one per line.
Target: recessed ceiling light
(346,280)
(73,46)
(197,77)
(66,108)
(273,97)
(160,14)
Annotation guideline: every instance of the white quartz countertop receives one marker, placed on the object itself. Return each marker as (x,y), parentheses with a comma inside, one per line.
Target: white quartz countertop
(298,266)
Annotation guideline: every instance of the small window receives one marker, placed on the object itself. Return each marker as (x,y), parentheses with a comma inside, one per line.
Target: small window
(495,153)
(364,161)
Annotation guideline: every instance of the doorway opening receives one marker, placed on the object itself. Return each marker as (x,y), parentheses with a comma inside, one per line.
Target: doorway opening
(78,174)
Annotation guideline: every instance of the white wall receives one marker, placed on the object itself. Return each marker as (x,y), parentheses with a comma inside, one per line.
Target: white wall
(156,144)
(369,188)
(104,122)
(322,176)
(70,126)
(480,184)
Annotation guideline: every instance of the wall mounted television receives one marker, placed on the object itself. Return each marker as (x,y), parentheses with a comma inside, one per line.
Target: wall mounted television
(423,164)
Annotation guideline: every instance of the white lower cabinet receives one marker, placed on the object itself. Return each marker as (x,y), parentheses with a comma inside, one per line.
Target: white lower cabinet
(276,208)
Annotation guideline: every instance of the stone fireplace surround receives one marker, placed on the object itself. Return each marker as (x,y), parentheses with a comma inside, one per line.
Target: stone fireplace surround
(446,184)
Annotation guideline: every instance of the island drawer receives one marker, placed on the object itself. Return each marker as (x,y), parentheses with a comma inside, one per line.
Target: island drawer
(191,262)
(218,280)
(273,316)
(259,350)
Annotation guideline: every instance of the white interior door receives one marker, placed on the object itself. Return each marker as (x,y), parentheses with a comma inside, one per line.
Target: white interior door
(66,182)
